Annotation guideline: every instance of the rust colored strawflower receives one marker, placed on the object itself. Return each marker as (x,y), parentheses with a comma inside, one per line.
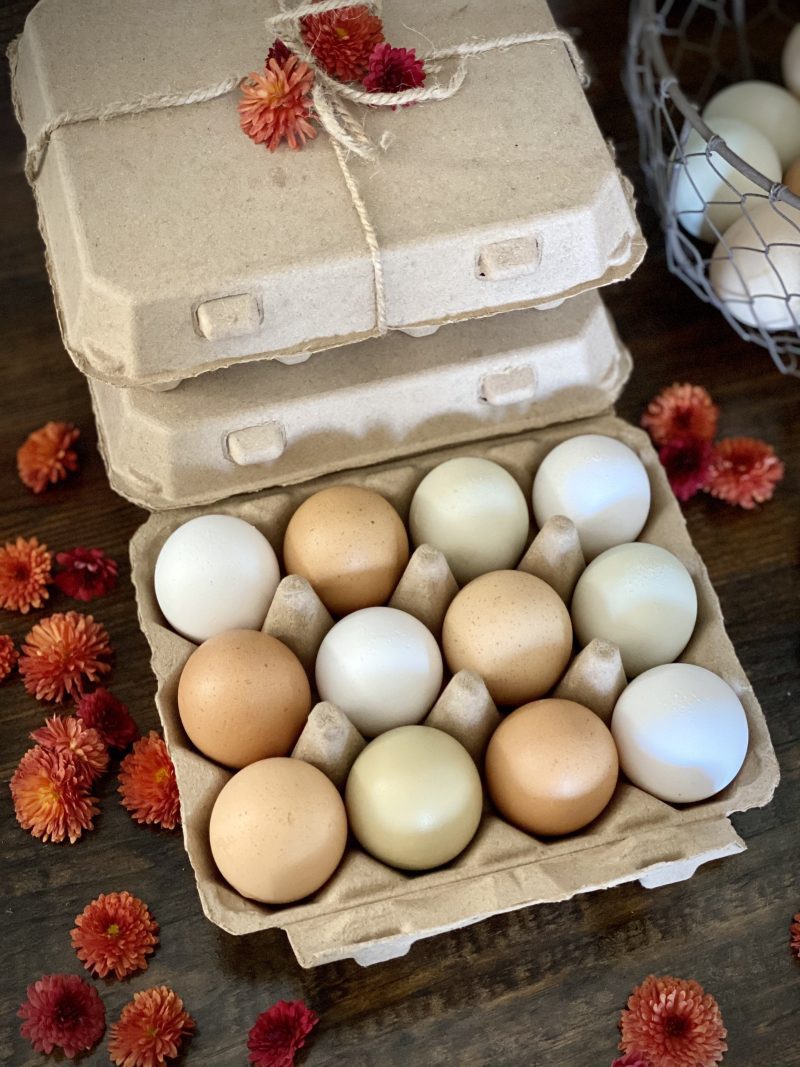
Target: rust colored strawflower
(147,783)
(62,1011)
(63,653)
(278,51)
(794,931)
(86,573)
(109,716)
(8,656)
(681,411)
(47,457)
(150,1029)
(391,70)
(279,1032)
(115,933)
(24,575)
(674,1023)
(277,104)
(744,471)
(342,41)
(51,797)
(687,462)
(74,737)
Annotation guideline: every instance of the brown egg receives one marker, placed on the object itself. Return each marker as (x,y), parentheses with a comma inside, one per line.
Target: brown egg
(350,544)
(551,767)
(278,830)
(243,696)
(513,630)
(791,178)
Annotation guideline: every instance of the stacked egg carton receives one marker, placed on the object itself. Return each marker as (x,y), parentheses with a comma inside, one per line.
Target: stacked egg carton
(243,263)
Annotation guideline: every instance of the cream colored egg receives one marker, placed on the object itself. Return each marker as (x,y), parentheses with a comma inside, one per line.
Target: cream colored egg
(769,108)
(414,798)
(755,268)
(790,61)
(278,830)
(707,191)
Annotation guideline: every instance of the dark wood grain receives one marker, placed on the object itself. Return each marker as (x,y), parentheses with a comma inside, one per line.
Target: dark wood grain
(539,988)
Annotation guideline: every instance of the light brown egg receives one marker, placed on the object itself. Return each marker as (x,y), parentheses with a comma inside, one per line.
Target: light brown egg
(278,830)
(551,767)
(350,544)
(243,696)
(513,630)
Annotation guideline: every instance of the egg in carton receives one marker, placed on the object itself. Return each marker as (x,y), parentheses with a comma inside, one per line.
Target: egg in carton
(368,911)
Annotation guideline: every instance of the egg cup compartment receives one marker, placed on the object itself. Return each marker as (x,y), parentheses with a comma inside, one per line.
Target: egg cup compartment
(371,912)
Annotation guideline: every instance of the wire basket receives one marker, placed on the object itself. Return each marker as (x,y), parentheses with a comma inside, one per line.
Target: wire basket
(732,233)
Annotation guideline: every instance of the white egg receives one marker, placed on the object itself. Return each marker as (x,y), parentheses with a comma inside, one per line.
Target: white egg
(641,598)
(681,732)
(215,573)
(768,108)
(381,667)
(707,192)
(474,512)
(791,61)
(600,484)
(755,268)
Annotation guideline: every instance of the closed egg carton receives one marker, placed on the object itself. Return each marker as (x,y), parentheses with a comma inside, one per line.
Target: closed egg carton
(370,912)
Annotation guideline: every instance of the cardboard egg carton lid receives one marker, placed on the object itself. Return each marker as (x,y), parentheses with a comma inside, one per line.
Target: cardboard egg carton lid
(371,912)
(177,246)
(265,424)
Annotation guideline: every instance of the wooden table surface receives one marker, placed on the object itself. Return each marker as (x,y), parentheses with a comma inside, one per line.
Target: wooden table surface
(538,988)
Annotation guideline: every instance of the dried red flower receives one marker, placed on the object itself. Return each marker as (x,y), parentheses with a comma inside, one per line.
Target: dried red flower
(150,1029)
(87,573)
(147,783)
(632,1059)
(61,654)
(794,931)
(74,737)
(46,456)
(116,932)
(24,575)
(342,41)
(674,1023)
(277,104)
(62,1011)
(8,656)
(51,796)
(391,70)
(687,462)
(681,411)
(109,716)
(279,1032)
(744,471)
(279,52)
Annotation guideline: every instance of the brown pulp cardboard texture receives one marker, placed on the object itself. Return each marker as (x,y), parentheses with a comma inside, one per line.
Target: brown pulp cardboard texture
(370,912)
(264,424)
(177,246)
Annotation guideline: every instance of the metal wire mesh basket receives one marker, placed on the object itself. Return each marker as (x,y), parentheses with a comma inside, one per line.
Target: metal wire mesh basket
(732,232)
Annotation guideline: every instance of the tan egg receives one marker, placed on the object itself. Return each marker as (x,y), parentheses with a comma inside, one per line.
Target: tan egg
(513,630)
(243,696)
(278,830)
(791,178)
(551,767)
(350,544)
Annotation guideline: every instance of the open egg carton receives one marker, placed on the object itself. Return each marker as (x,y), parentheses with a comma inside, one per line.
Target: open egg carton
(368,911)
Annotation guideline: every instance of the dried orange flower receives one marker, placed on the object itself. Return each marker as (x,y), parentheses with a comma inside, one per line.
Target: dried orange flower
(61,654)
(744,471)
(51,797)
(673,1023)
(342,41)
(46,456)
(115,933)
(8,656)
(147,783)
(150,1029)
(24,574)
(277,104)
(71,735)
(681,411)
